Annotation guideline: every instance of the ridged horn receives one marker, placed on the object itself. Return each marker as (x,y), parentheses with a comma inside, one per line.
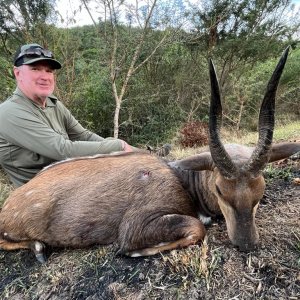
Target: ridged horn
(261,154)
(219,155)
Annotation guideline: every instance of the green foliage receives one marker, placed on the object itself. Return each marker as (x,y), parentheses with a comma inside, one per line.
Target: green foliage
(246,87)
(151,119)
(245,39)
(7,79)
(239,35)
(22,20)
(93,104)
(272,173)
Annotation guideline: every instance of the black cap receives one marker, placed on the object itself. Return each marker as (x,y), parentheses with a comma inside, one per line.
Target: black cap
(31,53)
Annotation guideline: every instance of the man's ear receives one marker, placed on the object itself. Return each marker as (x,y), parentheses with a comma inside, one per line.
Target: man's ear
(16,71)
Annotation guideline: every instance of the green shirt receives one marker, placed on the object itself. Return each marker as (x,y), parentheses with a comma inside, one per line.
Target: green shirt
(32,137)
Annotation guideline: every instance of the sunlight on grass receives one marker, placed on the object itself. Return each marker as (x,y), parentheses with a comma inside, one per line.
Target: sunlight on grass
(287,132)
(282,132)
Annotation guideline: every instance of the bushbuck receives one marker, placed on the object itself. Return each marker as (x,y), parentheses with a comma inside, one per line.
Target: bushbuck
(144,203)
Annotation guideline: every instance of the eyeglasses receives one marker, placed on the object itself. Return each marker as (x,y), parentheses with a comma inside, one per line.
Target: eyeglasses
(35,52)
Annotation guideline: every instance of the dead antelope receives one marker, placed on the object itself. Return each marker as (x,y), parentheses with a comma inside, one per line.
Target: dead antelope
(143,203)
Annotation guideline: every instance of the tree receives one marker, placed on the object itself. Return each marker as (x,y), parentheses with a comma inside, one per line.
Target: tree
(238,34)
(129,47)
(21,21)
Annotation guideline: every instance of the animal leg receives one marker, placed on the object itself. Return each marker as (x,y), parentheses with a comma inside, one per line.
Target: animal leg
(181,243)
(36,246)
(166,232)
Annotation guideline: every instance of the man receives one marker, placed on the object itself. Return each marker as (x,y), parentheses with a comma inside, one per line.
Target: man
(36,129)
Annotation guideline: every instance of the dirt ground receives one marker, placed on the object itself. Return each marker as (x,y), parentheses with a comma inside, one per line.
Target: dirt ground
(213,270)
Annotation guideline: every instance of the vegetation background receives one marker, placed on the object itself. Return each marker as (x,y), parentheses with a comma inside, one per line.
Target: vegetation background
(140,72)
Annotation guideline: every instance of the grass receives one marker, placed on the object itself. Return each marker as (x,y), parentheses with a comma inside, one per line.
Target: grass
(287,132)
(284,132)
(272,172)
(5,187)
(201,263)
(297,246)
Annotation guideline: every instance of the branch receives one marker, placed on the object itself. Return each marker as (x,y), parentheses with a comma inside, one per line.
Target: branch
(89,12)
(137,51)
(150,55)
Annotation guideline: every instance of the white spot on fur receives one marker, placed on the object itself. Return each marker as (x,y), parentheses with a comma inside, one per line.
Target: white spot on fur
(161,244)
(255,209)
(38,246)
(29,193)
(134,254)
(205,220)
(37,205)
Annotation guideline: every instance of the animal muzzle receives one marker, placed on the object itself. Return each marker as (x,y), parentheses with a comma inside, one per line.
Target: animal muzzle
(247,246)
(246,238)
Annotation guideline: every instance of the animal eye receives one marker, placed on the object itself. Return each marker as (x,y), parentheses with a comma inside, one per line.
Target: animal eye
(218,190)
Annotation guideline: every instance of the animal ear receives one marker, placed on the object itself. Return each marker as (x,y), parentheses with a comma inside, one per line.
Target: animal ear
(199,162)
(283,150)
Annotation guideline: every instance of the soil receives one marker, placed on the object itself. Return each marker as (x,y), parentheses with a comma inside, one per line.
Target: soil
(212,270)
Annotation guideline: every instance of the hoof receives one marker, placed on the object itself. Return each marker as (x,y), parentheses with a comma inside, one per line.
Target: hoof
(41,258)
(39,248)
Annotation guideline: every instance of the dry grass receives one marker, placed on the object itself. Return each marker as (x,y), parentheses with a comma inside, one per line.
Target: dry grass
(281,133)
(287,132)
(5,187)
(213,270)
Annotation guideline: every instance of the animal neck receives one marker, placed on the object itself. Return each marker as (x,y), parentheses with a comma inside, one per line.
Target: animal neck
(196,183)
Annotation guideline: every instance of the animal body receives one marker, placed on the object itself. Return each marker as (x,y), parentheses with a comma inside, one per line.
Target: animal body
(143,203)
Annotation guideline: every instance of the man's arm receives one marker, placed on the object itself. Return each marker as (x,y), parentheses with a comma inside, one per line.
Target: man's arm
(26,130)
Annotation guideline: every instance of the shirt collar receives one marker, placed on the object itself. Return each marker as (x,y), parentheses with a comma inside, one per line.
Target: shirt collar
(51,100)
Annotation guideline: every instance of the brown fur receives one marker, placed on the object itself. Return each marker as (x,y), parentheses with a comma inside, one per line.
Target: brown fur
(133,199)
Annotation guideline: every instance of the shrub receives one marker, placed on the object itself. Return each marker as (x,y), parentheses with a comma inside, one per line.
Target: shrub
(194,134)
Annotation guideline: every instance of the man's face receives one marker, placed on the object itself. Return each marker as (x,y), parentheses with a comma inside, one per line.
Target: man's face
(37,80)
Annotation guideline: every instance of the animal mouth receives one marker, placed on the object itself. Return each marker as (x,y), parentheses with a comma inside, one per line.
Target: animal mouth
(246,246)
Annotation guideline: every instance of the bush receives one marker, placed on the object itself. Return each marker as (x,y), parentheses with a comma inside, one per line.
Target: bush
(194,134)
